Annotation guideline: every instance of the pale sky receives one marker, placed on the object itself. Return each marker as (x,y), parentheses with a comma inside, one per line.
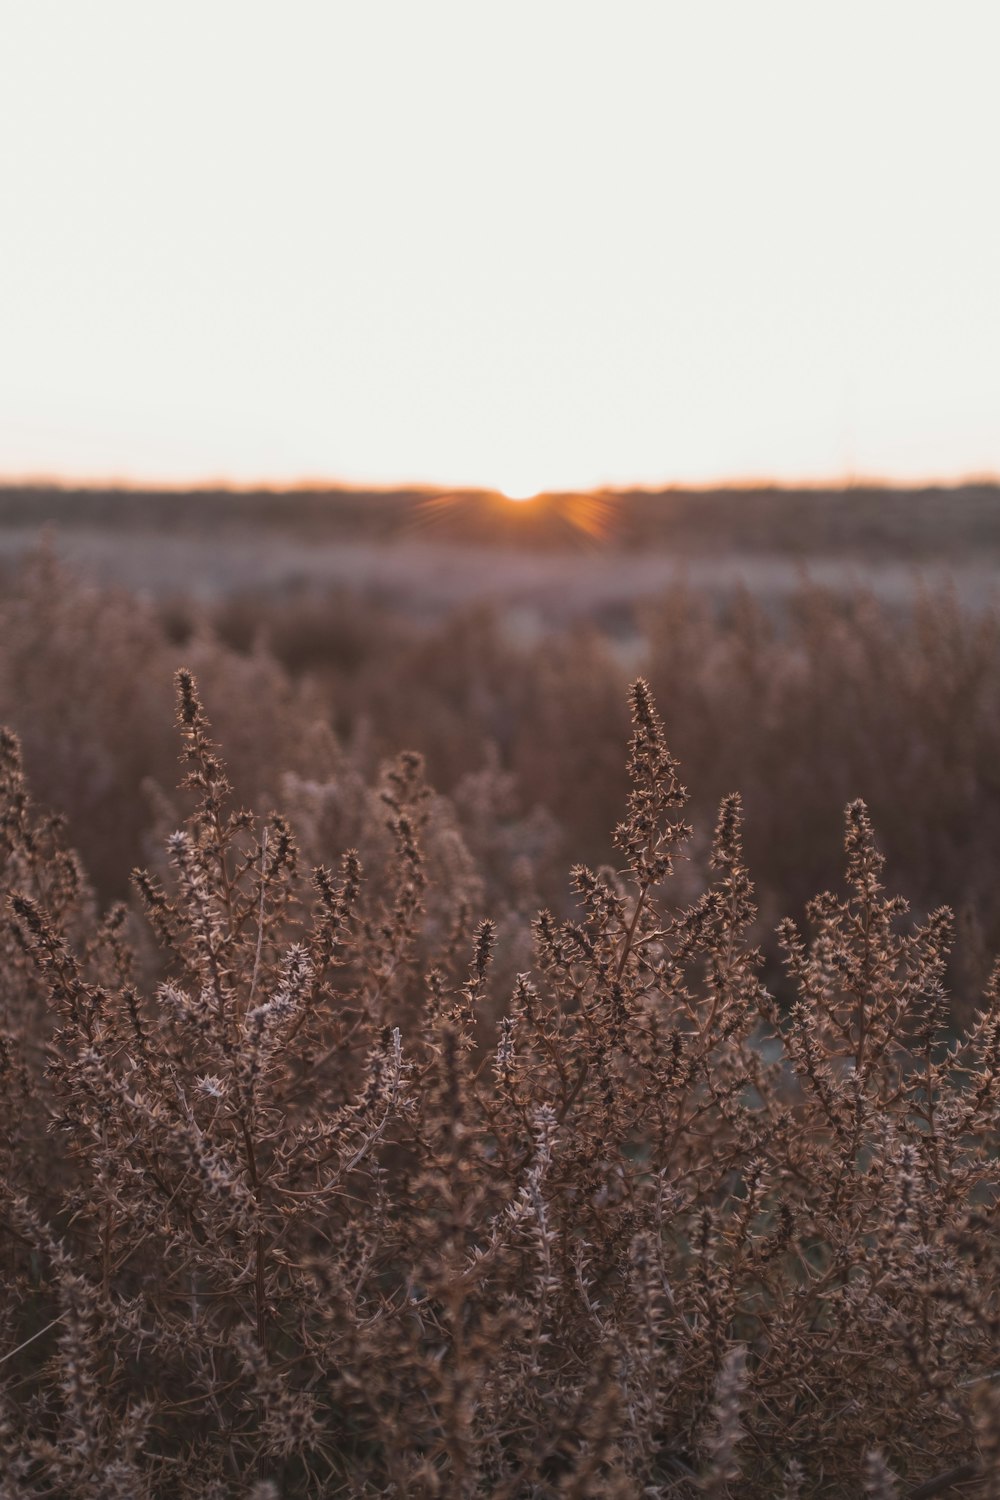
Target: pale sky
(522,245)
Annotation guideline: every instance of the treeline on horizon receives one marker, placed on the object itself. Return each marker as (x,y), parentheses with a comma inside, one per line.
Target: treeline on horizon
(914,525)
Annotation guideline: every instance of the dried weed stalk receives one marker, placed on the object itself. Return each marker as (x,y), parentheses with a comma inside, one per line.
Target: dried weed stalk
(283,1212)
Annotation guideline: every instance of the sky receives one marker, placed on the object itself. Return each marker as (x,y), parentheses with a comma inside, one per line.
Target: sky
(530,245)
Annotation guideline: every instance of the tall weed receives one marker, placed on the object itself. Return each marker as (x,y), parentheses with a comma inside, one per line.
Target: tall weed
(303,1195)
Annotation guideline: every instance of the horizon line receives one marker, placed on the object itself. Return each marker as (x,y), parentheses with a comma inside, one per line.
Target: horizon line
(220,484)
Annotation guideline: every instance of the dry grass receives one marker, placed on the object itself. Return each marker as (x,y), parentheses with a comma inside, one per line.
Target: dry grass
(803,708)
(303,1195)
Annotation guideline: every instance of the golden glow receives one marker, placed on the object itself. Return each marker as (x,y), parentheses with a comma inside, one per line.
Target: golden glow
(578,518)
(592,514)
(519,493)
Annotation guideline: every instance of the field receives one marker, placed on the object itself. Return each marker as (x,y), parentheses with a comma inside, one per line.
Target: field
(461,1085)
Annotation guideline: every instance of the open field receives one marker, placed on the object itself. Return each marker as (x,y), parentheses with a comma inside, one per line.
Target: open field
(549,562)
(428,578)
(866,523)
(444,1093)
(803,679)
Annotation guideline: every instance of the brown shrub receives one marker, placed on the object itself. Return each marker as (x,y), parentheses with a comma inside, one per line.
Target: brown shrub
(297,1218)
(804,706)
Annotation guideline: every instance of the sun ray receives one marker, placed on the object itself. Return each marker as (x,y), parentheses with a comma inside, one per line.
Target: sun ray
(592,512)
(539,518)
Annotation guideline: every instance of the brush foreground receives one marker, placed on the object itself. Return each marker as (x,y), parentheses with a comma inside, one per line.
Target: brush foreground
(305,1193)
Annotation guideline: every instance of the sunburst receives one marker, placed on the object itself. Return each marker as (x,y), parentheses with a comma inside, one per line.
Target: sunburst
(589,516)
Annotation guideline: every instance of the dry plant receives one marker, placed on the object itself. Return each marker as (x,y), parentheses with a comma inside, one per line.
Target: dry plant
(799,702)
(799,705)
(283,1211)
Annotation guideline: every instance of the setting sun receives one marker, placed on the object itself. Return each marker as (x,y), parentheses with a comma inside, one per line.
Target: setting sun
(518,492)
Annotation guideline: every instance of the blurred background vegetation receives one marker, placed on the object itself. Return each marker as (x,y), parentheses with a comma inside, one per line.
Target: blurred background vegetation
(804,648)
